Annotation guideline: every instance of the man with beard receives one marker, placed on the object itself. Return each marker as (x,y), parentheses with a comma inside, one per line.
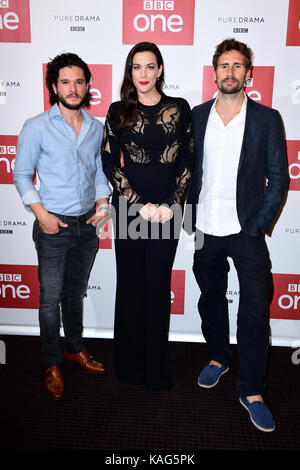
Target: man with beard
(238,145)
(63,146)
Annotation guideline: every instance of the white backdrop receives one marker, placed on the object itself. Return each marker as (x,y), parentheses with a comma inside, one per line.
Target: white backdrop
(102,33)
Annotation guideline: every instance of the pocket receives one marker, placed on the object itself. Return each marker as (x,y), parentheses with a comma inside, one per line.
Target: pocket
(60,233)
(48,234)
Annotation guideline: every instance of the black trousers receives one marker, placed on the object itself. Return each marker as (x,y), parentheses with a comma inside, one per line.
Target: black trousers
(142,309)
(251,260)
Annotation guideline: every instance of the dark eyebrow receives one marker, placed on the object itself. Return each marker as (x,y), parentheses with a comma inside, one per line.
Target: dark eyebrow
(234,63)
(76,79)
(151,63)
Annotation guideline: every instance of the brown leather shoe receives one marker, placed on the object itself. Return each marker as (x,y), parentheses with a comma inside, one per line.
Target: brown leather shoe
(85,361)
(54,383)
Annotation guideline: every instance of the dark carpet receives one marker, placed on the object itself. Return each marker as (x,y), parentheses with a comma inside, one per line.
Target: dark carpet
(99,414)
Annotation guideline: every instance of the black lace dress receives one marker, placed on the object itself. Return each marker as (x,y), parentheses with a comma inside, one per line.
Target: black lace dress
(150,162)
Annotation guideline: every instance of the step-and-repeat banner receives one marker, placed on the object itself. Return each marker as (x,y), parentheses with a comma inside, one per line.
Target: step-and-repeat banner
(102,33)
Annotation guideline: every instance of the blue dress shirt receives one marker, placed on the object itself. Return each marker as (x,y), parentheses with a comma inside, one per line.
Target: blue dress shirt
(69,168)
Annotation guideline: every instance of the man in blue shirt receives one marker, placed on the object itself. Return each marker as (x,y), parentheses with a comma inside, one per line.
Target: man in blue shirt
(63,146)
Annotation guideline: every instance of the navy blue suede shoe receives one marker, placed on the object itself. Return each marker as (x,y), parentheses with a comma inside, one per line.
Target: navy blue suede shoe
(210,375)
(260,414)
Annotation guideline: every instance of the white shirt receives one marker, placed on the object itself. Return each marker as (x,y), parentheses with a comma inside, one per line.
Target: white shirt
(217,213)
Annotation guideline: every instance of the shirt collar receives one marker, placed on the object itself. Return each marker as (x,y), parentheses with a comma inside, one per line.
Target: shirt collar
(56,112)
(239,117)
(244,105)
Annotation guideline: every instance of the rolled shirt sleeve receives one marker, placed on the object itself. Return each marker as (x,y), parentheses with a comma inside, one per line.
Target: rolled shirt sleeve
(28,152)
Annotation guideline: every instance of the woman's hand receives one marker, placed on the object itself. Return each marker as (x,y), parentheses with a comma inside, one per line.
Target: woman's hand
(163,214)
(147,211)
(156,214)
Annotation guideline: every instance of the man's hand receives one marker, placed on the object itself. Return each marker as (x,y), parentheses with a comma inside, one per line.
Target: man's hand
(99,216)
(49,223)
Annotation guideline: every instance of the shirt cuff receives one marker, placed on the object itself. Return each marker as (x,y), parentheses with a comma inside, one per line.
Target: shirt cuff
(30,197)
(102,191)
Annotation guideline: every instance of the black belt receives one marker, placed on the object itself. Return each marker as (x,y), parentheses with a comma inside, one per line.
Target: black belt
(73,219)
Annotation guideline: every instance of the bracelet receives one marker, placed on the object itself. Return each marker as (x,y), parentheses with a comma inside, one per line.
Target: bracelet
(102,208)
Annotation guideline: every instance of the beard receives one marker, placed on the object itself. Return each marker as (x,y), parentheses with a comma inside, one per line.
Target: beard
(239,85)
(73,106)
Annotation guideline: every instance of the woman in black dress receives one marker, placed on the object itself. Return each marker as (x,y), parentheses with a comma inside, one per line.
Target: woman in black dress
(147,157)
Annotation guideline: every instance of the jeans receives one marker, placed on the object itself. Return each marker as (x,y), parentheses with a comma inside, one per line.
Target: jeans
(64,262)
(252,263)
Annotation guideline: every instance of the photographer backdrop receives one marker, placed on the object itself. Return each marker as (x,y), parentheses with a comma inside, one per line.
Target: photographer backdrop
(102,33)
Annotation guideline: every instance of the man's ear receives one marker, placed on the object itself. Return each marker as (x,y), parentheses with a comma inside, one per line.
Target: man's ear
(248,74)
(215,76)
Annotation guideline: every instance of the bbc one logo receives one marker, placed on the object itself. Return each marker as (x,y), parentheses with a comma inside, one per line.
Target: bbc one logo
(293,153)
(8,148)
(18,286)
(15,21)
(100,89)
(286,299)
(259,87)
(161,22)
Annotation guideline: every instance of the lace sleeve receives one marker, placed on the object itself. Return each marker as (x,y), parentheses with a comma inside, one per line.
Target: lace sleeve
(185,168)
(111,159)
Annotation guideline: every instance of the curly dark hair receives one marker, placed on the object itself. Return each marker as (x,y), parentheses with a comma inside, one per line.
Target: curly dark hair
(128,93)
(232,44)
(65,60)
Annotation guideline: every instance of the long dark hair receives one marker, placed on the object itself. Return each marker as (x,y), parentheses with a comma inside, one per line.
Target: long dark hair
(129,97)
(60,61)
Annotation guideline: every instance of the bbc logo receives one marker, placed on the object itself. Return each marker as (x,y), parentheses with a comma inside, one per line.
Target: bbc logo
(4,3)
(8,149)
(159,5)
(10,277)
(294,288)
